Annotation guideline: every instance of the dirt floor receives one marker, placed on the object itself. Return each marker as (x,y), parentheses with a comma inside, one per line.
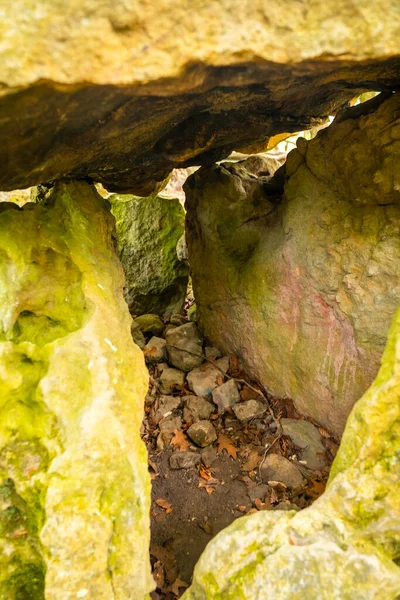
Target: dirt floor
(191,505)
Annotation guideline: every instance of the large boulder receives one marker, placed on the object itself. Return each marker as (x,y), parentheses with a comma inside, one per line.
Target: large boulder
(74,487)
(346,545)
(122,91)
(303,286)
(148,231)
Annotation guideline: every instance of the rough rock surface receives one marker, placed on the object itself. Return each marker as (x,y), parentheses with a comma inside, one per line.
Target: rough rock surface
(307,437)
(279,468)
(94,88)
(313,277)
(148,231)
(185,347)
(226,395)
(202,433)
(342,547)
(74,487)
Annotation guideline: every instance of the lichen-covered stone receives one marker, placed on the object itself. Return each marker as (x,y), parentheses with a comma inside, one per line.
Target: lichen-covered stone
(346,545)
(312,278)
(148,231)
(74,488)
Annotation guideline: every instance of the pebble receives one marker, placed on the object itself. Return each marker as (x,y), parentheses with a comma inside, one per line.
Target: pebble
(166,404)
(202,433)
(226,395)
(170,424)
(150,324)
(286,506)
(184,460)
(307,437)
(208,456)
(203,380)
(184,346)
(251,409)
(197,409)
(258,492)
(155,350)
(212,353)
(137,335)
(177,319)
(279,468)
(171,379)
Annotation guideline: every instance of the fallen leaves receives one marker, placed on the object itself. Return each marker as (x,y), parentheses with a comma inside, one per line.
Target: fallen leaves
(178,583)
(224,443)
(180,441)
(164,504)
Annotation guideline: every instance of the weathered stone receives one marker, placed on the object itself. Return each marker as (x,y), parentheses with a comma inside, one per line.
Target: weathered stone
(185,347)
(184,460)
(135,103)
(74,487)
(278,468)
(197,409)
(204,379)
(209,455)
(170,424)
(251,409)
(286,506)
(155,350)
(150,324)
(348,540)
(170,380)
(307,437)
(202,433)
(226,395)
(212,353)
(148,230)
(177,319)
(137,335)
(166,405)
(192,314)
(313,278)
(258,492)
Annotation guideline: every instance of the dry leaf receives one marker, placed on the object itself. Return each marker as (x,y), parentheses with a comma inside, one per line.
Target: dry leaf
(252,462)
(167,558)
(219,379)
(209,485)
(224,443)
(242,508)
(164,504)
(180,440)
(178,583)
(204,473)
(324,433)
(158,574)
(316,489)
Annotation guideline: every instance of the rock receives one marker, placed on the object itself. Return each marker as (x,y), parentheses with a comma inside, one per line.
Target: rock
(258,492)
(251,409)
(202,433)
(184,346)
(74,486)
(278,468)
(226,395)
(170,380)
(177,319)
(208,456)
(137,335)
(351,531)
(170,424)
(286,506)
(192,313)
(150,324)
(130,144)
(204,379)
(212,353)
(197,409)
(148,230)
(155,350)
(307,437)
(325,252)
(166,406)
(184,460)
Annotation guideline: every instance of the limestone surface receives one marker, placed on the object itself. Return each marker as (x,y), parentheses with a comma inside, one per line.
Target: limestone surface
(74,487)
(122,91)
(347,544)
(148,231)
(311,275)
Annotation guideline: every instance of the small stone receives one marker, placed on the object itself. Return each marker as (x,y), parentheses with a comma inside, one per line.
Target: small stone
(137,335)
(166,405)
(223,364)
(162,366)
(184,347)
(208,456)
(171,379)
(252,409)
(169,327)
(150,324)
(197,409)
(203,380)
(286,506)
(177,319)
(202,433)
(212,353)
(307,437)
(226,395)
(170,424)
(184,460)
(258,492)
(155,350)
(279,468)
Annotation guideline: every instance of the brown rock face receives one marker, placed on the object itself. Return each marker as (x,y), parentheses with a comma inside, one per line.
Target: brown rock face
(122,91)
(304,286)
